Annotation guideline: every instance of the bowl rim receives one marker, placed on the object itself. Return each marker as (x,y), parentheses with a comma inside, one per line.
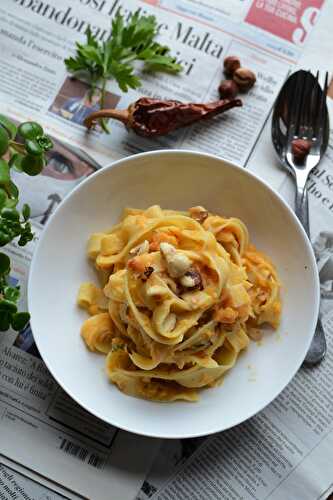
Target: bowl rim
(213,428)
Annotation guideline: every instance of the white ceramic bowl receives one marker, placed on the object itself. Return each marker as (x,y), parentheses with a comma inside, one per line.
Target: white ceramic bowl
(178,180)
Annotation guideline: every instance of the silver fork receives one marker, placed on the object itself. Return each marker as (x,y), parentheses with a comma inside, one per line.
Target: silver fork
(307,119)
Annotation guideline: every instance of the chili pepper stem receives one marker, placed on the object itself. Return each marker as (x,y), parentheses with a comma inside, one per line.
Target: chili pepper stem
(117,114)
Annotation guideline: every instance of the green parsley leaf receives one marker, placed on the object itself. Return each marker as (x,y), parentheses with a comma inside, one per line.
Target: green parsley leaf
(114,58)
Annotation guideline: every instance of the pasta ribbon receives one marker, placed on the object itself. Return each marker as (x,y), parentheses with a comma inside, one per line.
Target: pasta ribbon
(180,298)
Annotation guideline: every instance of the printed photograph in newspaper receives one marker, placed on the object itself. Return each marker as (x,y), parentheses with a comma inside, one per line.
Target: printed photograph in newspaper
(76,100)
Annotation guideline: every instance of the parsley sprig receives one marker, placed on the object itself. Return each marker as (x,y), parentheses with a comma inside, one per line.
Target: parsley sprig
(114,58)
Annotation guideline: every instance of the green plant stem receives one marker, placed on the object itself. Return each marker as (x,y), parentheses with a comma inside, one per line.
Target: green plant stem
(103,122)
(18,147)
(8,193)
(129,58)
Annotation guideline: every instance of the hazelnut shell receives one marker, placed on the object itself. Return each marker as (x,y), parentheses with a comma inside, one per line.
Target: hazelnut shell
(228,89)
(231,64)
(300,148)
(245,78)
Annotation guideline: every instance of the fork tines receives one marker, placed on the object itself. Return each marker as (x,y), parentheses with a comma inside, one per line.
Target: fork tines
(307,113)
(322,114)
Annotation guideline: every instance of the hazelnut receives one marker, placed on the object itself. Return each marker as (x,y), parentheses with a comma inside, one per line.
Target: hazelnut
(177,263)
(192,279)
(156,291)
(140,249)
(198,213)
(245,78)
(167,249)
(300,148)
(148,271)
(228,89)
(231,63)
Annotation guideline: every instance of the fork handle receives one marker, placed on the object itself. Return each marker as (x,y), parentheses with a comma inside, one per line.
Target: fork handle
(302,204)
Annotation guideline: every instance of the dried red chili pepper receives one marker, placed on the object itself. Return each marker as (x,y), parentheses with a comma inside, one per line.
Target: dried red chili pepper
(151,117)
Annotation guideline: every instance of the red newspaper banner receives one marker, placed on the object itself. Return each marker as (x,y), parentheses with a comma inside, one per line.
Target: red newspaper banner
(289,19)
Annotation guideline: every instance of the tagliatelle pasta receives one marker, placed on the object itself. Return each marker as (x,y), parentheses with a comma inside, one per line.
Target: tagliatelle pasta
(182,294)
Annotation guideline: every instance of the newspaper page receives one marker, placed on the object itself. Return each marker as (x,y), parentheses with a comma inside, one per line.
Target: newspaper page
(36,37)
(17,482)
(41,427)
(74,448)
(327,495)
(286,451)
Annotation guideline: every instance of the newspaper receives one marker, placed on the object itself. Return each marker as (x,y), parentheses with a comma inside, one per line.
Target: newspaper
(17,482)
(42,431)
(39,38)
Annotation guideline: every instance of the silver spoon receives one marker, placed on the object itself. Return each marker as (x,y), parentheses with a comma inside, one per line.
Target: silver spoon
(300,112)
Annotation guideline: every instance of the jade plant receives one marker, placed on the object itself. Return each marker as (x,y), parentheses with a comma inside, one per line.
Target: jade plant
(23,149)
